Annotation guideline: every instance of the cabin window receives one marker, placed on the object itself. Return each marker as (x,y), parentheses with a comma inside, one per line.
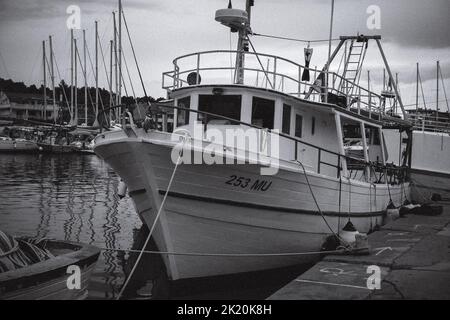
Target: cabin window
(222,105)
(263,112)
(286,128)
(298,125)
(313,125)
(183,115)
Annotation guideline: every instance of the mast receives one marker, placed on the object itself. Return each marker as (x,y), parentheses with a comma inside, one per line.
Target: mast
(96,75)
(329,51)
(85,78)
(52,78)
(75,82)
(115,58)
(45,81)
(120,53)
(111,102)
(242,45)
(437,90)
(71,77)
(417,87)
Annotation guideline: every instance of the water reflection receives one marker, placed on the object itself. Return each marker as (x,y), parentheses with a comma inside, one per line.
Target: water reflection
(71,197)
(74,197)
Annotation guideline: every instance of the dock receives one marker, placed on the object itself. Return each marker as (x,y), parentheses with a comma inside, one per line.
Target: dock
(413,257)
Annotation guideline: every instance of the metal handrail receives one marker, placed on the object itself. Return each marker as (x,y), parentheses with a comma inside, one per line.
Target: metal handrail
(361,92)
(399,172)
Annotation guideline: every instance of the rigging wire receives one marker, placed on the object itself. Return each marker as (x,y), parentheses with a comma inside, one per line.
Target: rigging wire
(443,87)
(135,59)
(262,67)
(293,39)
(60,79)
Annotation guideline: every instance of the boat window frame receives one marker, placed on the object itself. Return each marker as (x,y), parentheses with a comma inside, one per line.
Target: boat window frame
(238,113)
(297,116)
(272,106)
(185,112)
(286,123)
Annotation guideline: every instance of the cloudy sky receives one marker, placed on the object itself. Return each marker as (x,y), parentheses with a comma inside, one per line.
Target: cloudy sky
(412,30)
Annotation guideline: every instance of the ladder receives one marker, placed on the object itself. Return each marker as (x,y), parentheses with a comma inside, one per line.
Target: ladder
(352,67)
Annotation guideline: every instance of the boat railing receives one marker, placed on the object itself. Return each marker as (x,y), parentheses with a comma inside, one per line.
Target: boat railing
(372,171)
(217,67)
(430,123)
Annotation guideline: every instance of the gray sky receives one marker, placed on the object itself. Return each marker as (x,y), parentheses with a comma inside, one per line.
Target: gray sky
(412,30)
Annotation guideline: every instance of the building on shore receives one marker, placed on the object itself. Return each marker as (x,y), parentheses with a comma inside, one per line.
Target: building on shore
(25,106)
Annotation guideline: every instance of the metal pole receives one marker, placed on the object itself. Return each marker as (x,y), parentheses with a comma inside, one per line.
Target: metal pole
(115,58)
(76,84)
(71,77)
(111,102)
(120,52)
(405,115)
(417,87)
(329,51)
(396,83)
(96,76)
(437,90)
(85,78)
(45,81)
(53,78)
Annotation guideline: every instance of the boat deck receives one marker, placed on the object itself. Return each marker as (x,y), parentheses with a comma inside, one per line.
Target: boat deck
(412,252)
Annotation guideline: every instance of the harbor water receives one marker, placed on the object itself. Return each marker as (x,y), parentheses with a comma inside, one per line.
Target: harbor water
(74,197)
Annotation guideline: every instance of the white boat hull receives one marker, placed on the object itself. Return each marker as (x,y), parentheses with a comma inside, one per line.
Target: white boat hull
(430,162)
(204,214)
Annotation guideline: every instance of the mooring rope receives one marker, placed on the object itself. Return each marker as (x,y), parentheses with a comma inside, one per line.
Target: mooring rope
(242,255)
(154,222)
(318,207)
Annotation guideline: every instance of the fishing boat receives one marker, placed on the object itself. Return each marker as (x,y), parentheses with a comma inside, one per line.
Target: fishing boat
(231,208)
(48,279)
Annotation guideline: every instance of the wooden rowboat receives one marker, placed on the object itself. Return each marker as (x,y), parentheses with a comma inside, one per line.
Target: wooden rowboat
(47,280)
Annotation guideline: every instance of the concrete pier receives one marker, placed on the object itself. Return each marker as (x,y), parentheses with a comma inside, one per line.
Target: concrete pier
(413,256)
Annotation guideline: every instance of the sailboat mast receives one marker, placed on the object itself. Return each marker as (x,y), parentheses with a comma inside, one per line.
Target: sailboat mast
(111,101)
(417,87)
(120,53)
(75,82)
(437,90)
(52,78)
(85,78)
(96,74)
(45,81)
(115,58)
(71,77)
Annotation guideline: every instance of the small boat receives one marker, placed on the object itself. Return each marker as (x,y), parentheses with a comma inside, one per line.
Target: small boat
(48,279)
(17,145)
